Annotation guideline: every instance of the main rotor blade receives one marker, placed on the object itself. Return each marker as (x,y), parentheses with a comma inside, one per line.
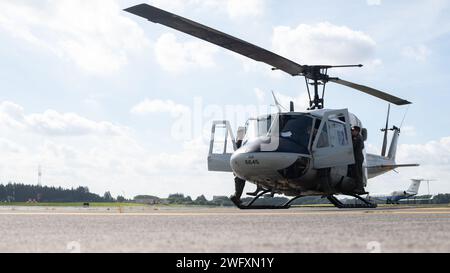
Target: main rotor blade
(216,37)
(373,92)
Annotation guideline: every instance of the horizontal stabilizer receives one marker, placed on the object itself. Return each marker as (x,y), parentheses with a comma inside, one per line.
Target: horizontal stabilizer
(393,167)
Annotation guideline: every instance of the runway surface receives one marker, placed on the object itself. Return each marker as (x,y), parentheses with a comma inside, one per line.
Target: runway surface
(224,230)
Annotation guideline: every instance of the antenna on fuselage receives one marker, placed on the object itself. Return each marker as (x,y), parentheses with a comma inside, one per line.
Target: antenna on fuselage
(404,117)
(277,103)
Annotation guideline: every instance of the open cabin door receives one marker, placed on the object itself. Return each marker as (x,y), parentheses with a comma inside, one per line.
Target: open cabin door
(222,147)
(333,145)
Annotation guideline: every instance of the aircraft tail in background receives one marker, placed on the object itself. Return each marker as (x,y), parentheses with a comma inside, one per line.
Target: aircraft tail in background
(414,188)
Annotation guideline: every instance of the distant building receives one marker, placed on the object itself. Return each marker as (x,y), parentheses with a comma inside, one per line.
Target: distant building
(147,199)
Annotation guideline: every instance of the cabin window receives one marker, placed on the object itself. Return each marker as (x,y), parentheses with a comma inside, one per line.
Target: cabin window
(323,139)
(338,134)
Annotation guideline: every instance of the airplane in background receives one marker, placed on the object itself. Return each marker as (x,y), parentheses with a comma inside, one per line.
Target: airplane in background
(396,196)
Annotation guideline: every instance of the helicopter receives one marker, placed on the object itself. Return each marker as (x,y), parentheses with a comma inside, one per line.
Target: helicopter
(289,152)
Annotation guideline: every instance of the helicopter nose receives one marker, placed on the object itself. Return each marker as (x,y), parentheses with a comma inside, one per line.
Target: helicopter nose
(240,163)
(249,166)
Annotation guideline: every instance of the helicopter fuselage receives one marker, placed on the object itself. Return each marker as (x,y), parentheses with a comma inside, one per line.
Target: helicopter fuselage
(284,159)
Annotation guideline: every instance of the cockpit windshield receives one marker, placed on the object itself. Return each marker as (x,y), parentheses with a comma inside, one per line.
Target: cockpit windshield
(296,128)
(258,127)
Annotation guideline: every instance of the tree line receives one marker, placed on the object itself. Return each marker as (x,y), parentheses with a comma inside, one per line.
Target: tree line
(44,194)
(308,200)
(34,193)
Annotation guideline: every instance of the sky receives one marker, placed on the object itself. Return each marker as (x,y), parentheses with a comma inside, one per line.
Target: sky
(104,99)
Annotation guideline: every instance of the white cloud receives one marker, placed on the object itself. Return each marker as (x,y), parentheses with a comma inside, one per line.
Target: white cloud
(245,8)
(11,115)
(159,106)
(234,8)
(94,35)
(260,95)
(419,53)
(435,153)
(374,2)
(53,123)
(9,146)
(69,124)
(172,5)
(175,56)
(323,43)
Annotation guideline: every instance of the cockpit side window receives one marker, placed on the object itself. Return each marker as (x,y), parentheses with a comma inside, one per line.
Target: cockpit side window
(339,134)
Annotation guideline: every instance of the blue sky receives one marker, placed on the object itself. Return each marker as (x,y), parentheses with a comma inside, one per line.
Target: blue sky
(97,96)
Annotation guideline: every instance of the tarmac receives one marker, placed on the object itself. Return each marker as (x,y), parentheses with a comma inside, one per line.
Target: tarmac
(224,230)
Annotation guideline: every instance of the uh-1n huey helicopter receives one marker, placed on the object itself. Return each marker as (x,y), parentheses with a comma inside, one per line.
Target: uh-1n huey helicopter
(297,154)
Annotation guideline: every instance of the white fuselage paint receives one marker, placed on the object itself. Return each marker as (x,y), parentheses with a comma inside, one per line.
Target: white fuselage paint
(263,168)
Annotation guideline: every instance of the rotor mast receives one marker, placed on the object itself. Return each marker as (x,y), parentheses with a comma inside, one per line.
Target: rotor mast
(317,76)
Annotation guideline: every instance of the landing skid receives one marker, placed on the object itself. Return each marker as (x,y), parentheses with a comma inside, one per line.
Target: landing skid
(366,204)
(250,206)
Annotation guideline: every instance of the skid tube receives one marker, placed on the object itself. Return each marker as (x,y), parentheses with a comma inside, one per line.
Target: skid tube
(338,204)
(250,206)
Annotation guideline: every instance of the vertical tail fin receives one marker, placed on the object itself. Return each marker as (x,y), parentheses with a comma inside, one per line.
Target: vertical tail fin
(393,148)
(385,130)
(394,143)
(414,188)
